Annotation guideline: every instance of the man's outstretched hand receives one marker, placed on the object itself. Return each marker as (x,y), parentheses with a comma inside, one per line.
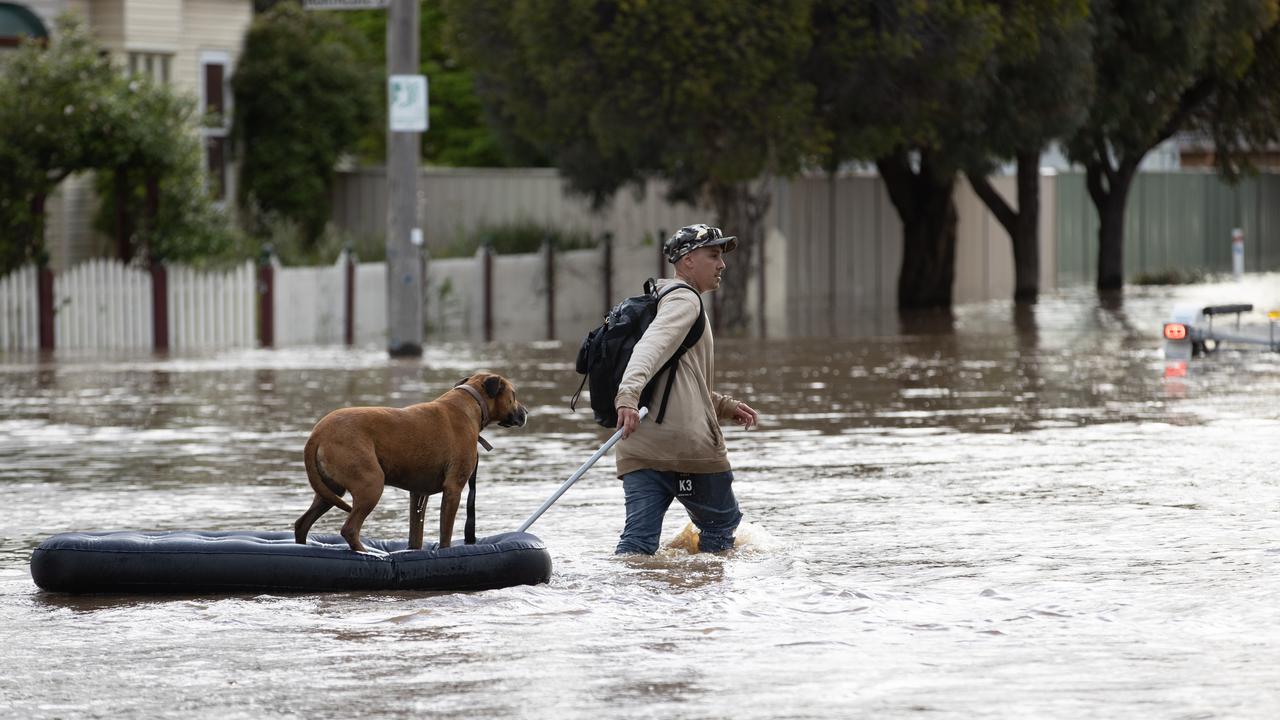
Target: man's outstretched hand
(628,421)
(745,416)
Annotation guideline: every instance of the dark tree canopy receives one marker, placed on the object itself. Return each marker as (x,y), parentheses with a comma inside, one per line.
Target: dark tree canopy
(459,135)
(1039,92)
(705,96)
(65,109)
(302,99)
(1165,66)
(905,85)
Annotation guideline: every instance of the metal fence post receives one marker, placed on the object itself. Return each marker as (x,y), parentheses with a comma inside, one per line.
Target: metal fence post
(760,297)
(159,307)
(549,267)
(349,297)
(488,292)
(607,248)
(44,301)
(266,297)
(662,259)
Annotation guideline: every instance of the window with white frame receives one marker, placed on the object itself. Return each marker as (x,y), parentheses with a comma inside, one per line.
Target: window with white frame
(155,65)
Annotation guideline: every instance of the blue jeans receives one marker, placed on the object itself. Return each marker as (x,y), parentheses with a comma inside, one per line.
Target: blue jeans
(711,506)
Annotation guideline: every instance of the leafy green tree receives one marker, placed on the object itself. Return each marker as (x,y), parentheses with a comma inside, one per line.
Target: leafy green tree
(1165,66)
(903,85)
(705,96)
(154,199)
(302,99)
(261,6)
(50,103)
(458,135)
(1040,89)
(64,109)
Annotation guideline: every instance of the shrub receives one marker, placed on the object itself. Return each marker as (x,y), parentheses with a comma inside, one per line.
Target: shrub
(1171,277)
(521,236)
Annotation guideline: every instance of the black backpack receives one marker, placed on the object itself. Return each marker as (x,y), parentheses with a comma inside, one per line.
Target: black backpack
(606,351)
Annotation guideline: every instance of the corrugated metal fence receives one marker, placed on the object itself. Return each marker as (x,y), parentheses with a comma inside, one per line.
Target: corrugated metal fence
(1174,221)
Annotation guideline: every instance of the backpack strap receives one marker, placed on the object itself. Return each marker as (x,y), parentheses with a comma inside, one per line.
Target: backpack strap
(573,401)
(690,339)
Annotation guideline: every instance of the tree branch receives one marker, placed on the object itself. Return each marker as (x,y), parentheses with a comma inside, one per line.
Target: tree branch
(899,180)
(994,201)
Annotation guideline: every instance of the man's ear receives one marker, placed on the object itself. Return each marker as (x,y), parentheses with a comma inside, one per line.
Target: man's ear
(493,386)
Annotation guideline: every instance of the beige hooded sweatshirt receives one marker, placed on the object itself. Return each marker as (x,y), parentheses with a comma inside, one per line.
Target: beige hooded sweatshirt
(689,439)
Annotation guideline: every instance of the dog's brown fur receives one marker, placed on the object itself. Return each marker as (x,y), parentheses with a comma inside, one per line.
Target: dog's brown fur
(425,448)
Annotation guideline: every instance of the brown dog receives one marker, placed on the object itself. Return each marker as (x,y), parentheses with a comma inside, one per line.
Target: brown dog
(425,448)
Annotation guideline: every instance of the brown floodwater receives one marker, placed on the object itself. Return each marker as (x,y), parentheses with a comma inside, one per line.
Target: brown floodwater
(1013,515)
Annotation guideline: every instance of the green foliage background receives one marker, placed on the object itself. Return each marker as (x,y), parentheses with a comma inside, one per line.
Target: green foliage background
(65,109)
(304,95)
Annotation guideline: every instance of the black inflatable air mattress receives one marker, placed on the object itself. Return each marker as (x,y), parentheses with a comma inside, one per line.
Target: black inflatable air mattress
(192,561)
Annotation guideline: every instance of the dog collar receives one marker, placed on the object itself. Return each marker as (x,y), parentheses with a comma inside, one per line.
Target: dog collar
(484,413)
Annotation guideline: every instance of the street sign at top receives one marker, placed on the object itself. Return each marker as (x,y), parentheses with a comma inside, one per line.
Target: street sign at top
(345,4)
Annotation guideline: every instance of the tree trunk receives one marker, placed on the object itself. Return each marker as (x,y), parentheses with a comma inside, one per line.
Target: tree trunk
(1022,225)
(124,248)
(927,209)
(1026,234)
(38,251)
(740,211)
(832,274)
(1109,189)
(153,215)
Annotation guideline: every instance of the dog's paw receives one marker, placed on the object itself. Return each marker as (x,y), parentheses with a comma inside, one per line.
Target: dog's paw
(374,553)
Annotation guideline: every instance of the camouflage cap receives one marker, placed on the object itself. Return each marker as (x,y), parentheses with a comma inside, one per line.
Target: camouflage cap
(691,237)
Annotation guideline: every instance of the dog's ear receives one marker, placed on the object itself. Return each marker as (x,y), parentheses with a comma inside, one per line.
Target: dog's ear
(463,381)
(493,386)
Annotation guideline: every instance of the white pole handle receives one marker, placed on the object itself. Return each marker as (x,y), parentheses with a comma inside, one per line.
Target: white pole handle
(579,473)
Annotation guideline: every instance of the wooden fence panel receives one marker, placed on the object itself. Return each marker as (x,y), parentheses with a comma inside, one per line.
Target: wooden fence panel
(370,307)
(580,304)
(519,297)
(102,305)
(211,308)
(19,312)
(310,305)
(452,290)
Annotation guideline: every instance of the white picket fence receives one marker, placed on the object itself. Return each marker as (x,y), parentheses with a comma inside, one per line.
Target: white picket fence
(19,315)
(107,305)
(212,309)
(102,305)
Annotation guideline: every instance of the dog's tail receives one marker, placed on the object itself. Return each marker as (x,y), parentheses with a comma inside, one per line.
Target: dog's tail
(317,481)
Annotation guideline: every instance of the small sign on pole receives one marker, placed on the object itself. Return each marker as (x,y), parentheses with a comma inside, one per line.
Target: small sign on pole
(407,103)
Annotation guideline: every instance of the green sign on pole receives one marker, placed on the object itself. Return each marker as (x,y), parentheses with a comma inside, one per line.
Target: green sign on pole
(407,103)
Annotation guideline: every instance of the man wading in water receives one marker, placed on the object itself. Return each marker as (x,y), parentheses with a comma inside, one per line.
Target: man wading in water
(683,457)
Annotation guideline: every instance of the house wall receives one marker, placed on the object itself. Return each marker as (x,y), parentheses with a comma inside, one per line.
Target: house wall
(153,25)
(107,20)
(209,25)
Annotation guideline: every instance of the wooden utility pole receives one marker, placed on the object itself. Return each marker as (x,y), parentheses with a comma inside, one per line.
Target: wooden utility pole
(404,235)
